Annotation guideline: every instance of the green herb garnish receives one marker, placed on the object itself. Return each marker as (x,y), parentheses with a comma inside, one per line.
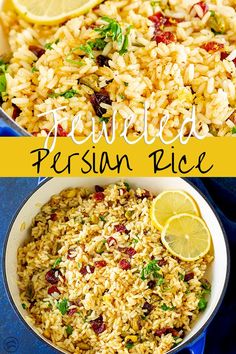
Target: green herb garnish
(202,304)
(67,94)
(63,306)
(102,218)
(181,276)
(127,186)
(151,268)
(104,119)
(48,46)
(34,69)
(24,306)
(69,330)
(3,81)
(234,130)
(164,307)
(129,345)
(126,84)
(135,241)
(87,49)
(57,262)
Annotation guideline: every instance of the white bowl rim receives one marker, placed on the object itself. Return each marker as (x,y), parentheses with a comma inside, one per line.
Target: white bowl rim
(186,344)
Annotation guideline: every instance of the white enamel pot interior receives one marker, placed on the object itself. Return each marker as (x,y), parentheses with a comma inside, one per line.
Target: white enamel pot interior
(19,231)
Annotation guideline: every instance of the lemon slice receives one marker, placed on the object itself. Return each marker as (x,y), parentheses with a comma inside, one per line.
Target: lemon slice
(187,237)
(170,203)
(50,12)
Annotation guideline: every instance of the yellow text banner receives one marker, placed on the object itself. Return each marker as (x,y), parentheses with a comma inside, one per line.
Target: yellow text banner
(28,157)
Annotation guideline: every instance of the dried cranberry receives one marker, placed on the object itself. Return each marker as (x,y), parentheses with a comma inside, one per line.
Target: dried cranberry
(71,254)
(130,251)
(52,276)
(99,196)
(98,325)
(100,264)
(162,262)
(159,19)
(71,312)
(66,219)
(99,189)
(223,55)
(111,241)
(121,228)
(147,308)
(204,7)
(16,111)
(103,61)
(151,284)
(53,217)
(144,194)
(160,332)
(60,131)
(87,269)
(212,46)
(188,276)
(97,98)
(38,51)
(164,37)
(53,290)
(173,331)
(124,264)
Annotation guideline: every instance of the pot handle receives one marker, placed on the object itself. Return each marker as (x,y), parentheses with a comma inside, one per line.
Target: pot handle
(5,130)
(198,346)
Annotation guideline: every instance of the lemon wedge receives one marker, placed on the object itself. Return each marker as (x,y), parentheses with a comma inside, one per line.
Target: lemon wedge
(170,203)
(50,12)
(187,237)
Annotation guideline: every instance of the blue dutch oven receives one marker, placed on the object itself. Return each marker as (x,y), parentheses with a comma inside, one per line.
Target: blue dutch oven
(218,274)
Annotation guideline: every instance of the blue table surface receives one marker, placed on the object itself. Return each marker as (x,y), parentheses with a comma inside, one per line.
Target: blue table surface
(15,338)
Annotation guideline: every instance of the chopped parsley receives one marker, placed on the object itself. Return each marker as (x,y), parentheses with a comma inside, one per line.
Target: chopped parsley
(3,81)
(181,276)
(151,269)
(69,330)
(127,186)
(67,94)
(104,119)
(202,304)
(129,345)
(164,307)
(102,218)
(234,130)
(135,241)
(34,69)
(126,84)
(24,306)
(87,49)
(57,262)
(63,306)
(48,46)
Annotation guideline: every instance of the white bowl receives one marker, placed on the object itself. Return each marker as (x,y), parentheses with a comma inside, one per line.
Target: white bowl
(218,271)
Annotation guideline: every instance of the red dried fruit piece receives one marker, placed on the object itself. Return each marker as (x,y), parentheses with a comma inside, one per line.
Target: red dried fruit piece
(223,55)
(130,251)
(165,37)
(121,228)
(71,254)
(103,61)
(52,276)
(53,217)
(99,189)
(124,264)
(100,97)
(87,270)
(38,51)
(147,308)
(160,20)
(162,262)
(71,312)
(212,47)
(167,330)
(16,111)
(204,7)
(151,284)
(98,325)
(100,264)
(188,276)
(53,290)
(99,196)
(111,241)
(60,131)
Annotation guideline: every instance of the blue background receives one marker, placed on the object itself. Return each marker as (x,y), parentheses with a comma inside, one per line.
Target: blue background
(15,338)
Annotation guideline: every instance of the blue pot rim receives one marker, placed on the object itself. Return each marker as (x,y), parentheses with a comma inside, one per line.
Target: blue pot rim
(185,345)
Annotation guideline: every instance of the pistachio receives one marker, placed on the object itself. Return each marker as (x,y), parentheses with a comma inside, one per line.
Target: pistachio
(129,214)
(217,23)
(83,346)
(94,219)
(100,248)
(91,81)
